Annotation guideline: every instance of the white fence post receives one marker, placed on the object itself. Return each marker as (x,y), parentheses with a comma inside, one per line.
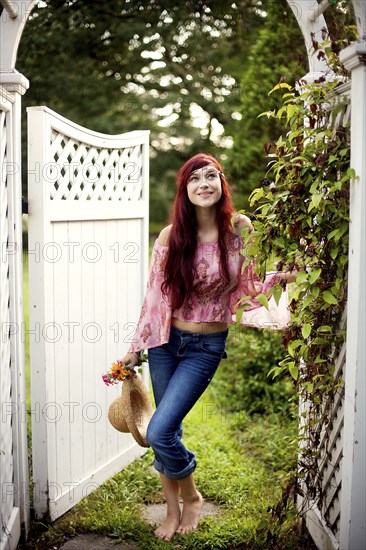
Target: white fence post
(353,503)
(13,429)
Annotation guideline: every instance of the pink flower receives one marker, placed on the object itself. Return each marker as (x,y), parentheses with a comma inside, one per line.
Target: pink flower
(118,373)
(107,380)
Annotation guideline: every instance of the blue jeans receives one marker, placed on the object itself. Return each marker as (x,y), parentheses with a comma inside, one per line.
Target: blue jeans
(180,372)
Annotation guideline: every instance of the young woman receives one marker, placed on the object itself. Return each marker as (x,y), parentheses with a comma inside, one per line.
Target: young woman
(196,279)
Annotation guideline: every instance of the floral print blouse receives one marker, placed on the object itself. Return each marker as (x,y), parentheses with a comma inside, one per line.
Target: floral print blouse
(213,298)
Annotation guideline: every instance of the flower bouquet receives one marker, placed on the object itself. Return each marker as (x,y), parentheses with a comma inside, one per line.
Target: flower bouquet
(132,410)
(119,371)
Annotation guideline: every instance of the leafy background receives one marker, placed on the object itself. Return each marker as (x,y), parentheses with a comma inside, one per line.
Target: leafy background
(196,74)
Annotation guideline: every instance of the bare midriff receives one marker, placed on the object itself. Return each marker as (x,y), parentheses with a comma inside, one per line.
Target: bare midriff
(203,328)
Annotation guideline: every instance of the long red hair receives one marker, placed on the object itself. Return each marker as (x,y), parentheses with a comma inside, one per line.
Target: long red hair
(179,268)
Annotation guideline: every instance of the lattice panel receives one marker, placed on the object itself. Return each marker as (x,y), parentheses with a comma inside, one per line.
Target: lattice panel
(6,435)
(331,436)
(84,172)
(332,448)
(342,118)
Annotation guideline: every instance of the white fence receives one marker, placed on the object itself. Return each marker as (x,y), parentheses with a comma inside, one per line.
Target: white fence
(10,521)
(13,445)
(323,511)
(88,259)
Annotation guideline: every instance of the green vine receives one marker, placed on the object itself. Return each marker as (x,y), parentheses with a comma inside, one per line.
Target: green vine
(302,222)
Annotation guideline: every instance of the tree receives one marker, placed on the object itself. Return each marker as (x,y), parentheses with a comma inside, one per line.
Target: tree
(167,66)
(277,54)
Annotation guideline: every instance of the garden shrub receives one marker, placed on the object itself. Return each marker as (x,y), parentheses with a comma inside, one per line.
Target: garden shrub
(244,381)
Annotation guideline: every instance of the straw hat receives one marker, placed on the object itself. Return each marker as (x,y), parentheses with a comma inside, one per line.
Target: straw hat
(132,411)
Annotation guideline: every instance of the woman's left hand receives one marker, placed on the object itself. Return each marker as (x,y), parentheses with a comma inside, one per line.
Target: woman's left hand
(240,221)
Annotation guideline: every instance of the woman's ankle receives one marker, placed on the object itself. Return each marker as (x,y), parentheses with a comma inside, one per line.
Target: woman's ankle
(192,497)
(188,489)
(172,507)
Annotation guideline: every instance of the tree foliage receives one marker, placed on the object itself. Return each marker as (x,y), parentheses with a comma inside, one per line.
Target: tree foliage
(194,73)
(167,66)
(277,54)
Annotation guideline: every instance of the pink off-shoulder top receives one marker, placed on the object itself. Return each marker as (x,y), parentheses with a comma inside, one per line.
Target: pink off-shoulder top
(213,298)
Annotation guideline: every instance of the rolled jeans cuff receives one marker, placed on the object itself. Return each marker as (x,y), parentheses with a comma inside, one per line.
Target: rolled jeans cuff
(187,471)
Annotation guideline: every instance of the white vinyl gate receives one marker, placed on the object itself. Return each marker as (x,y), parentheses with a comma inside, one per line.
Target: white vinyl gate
(88,259)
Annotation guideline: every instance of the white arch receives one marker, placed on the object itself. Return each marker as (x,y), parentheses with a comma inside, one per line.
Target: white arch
(13,20)
(309,16)
(308,13)
(360,13)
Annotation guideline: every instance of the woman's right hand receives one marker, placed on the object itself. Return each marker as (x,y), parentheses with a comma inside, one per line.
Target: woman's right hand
(241,221)
(131,358)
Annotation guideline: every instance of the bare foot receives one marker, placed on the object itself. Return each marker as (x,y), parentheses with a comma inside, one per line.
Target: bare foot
(170,525)
(168,528)
(191,514)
